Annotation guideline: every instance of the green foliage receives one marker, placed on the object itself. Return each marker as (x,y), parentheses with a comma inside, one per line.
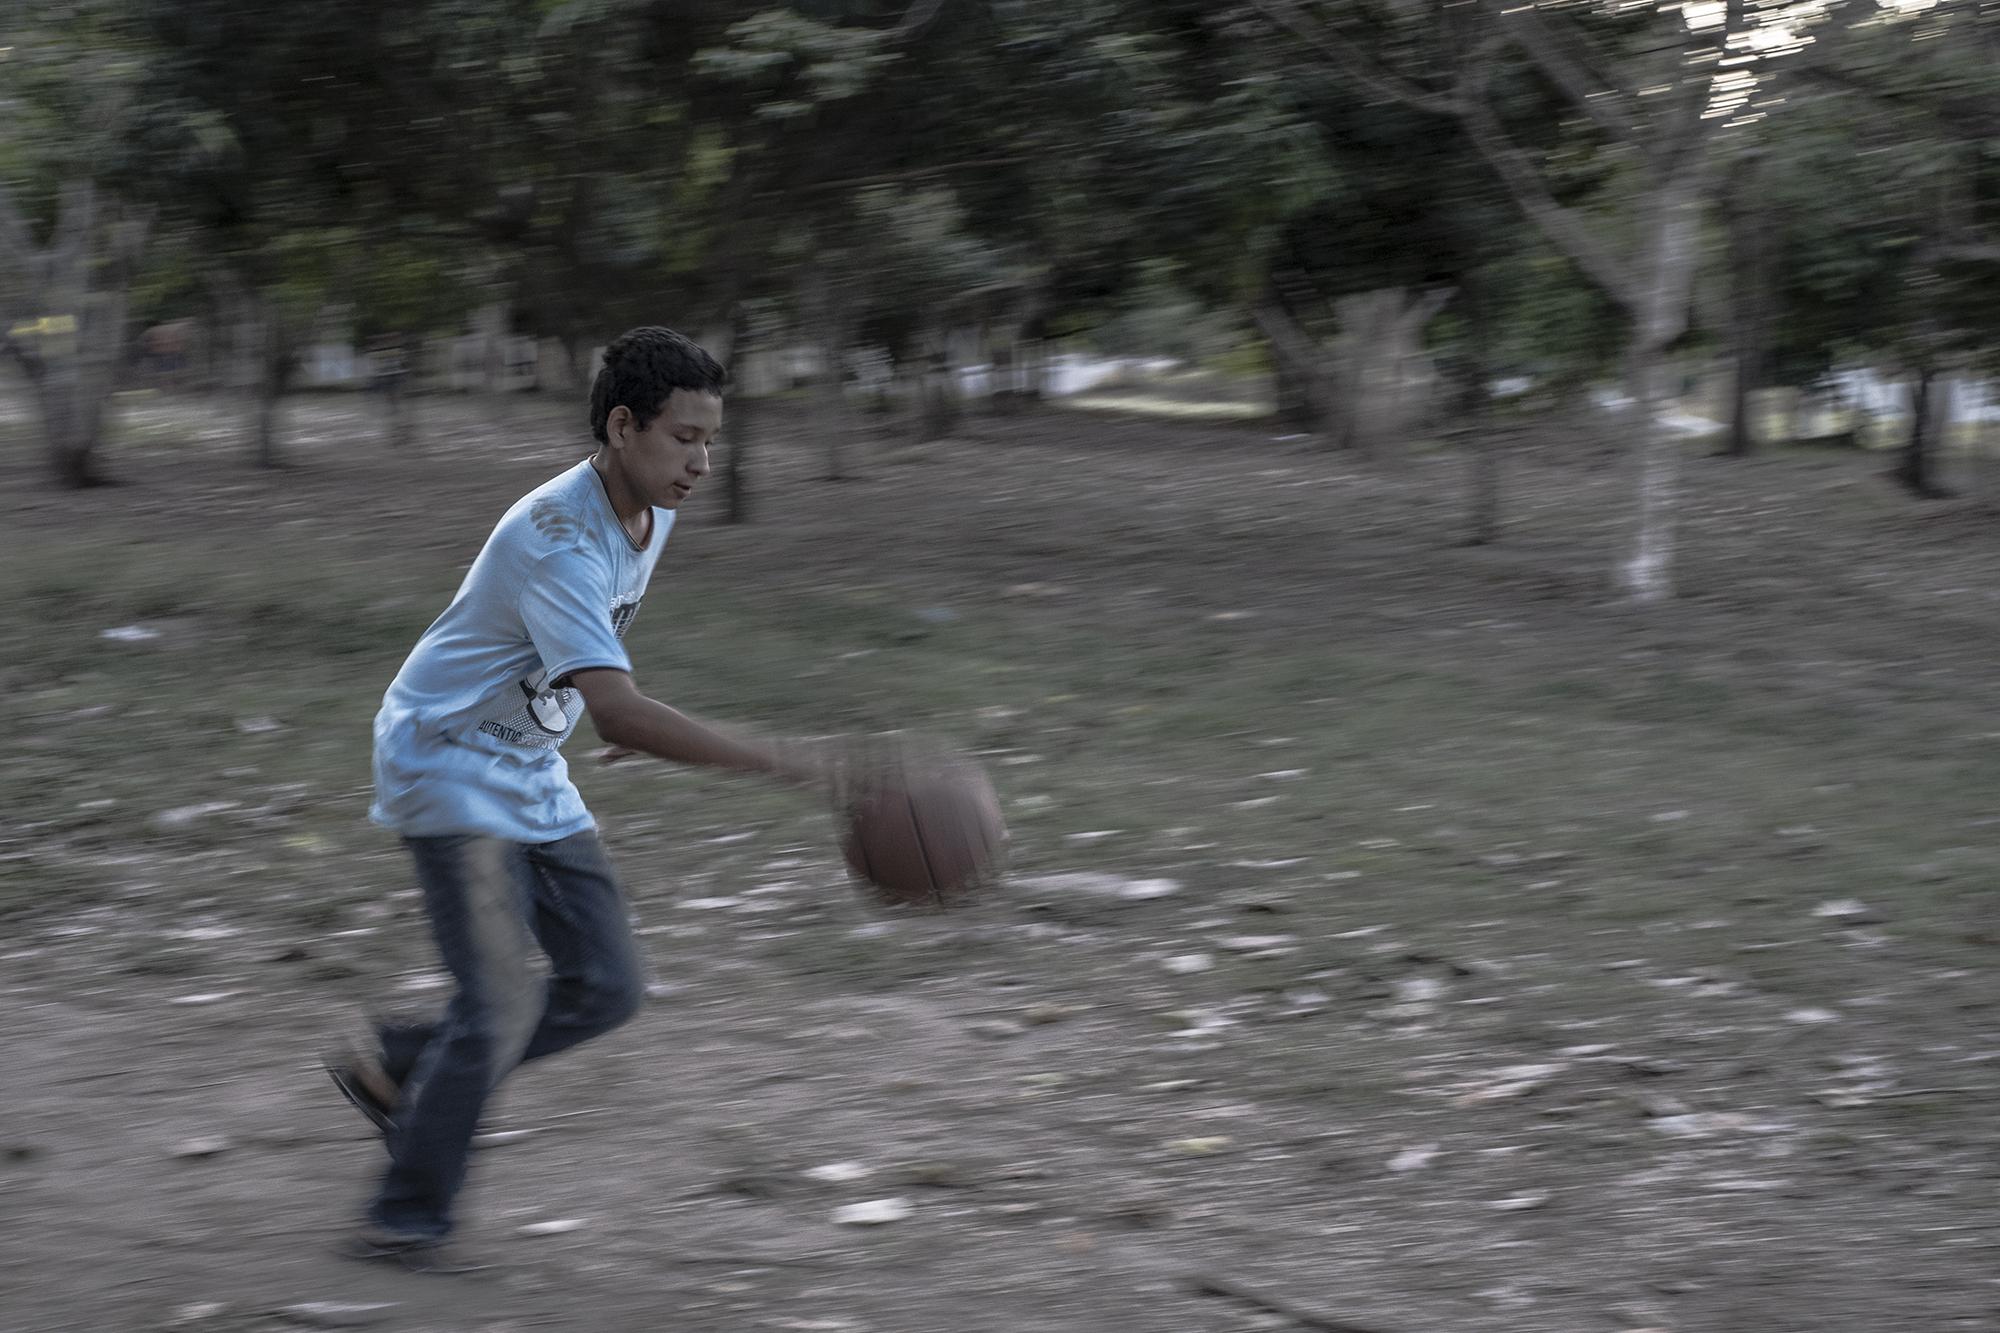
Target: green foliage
(1876,189)
(69,79)
(279,146)
(410,284)
(1143,170)
(1160,316)
(796,64)
(1549,326)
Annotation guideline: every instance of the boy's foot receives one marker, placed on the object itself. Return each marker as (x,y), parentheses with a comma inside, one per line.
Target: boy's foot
(362,1080)
(412,1254)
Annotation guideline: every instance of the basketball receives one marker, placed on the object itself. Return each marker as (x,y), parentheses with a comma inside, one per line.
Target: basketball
(925,835)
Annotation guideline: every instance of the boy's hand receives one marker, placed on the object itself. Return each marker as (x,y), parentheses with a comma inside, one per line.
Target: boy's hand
(837,766)
(808,763)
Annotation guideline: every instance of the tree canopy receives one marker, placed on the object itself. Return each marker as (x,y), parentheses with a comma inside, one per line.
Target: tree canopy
(1548,187)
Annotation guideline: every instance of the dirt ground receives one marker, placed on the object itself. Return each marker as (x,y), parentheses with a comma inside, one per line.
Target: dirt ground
(1401,936)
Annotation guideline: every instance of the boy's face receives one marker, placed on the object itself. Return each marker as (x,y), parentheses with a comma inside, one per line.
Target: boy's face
(663,462)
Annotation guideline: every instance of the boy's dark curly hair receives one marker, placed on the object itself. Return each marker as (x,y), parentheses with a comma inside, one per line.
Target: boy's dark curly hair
(642,368)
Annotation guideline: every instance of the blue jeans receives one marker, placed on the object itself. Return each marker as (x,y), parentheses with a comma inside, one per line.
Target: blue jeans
(492,904)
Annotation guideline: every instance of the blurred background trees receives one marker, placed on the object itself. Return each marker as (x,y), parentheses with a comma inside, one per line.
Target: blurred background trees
(1384,224)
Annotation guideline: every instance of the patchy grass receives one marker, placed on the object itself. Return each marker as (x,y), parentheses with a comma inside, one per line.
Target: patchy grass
(1431,812)
(1652,782)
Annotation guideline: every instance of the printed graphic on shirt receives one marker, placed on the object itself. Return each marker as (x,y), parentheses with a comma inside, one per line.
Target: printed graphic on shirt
(621,616)
(553,521)
(547,715)
(545,718)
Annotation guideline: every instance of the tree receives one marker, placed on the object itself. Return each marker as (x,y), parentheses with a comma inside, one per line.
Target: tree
(413,282)
(813,122)
(1748,260)
(1041,156)
(295,151)
(1120,138)
(1882,180)
(1641,86)
(1354,277)
(70,238)
(920,274)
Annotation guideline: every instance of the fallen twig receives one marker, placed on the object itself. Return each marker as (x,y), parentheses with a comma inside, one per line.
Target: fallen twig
(1206,1285)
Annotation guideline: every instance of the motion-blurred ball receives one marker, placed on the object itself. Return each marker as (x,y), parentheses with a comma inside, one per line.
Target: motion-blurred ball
(925,835)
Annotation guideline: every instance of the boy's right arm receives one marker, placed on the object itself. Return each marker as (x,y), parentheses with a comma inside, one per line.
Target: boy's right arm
(629,720)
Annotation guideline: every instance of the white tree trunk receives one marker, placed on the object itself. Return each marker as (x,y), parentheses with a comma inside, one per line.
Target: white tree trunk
(1652,282)
(82,277)
(1647,574)
(72,419)
(1374,384)
(1384,376)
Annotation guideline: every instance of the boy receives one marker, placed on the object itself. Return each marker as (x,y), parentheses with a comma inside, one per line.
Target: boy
(469,771)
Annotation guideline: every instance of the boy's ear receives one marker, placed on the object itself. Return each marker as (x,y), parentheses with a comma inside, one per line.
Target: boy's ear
(617,420)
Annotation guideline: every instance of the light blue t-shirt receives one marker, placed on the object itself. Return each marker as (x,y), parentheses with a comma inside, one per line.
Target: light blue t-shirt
(467,737)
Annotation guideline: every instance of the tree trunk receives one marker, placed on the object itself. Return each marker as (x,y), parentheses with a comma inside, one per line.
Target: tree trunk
(1295,368)
(1652,276)
(388,372)
(939,416)
(1742,426)
(1747,260)
(492,323)
(401,429)
(1372,387)
(1028,350)
(829,336)
(1384,374)
(275,367)
(1660,315)
(736,458)
(1359,367)
(1475,395)
(72,407)
(1299,408)
(268,398)
(576,351)
(85,272)
(833,409)
(1005,399)
(1917,469)
(1647,574)
(1035,369)
(1986,457)
(937,395)
(74,375)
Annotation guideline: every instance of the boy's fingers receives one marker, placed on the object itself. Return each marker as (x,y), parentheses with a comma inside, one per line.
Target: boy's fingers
(611,754)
